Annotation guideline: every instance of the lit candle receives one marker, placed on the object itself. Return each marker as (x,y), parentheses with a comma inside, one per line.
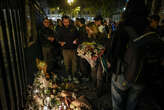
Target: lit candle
(59,107)
(36,91)
(45,108)
(65,107)
(48,99)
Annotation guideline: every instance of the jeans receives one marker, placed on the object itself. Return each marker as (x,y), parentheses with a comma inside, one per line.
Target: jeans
(124,95)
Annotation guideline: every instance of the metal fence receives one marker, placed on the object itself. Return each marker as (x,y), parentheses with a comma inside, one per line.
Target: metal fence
(13,75)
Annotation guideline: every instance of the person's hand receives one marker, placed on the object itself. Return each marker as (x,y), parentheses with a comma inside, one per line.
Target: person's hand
(62,43)
(75,42)
(51,39)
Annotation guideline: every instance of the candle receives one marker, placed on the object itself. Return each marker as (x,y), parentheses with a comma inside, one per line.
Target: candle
(45,108)
(48,99)
(65,107)
(36,91)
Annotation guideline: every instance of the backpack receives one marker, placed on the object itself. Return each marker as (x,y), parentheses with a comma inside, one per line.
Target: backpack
(127,56)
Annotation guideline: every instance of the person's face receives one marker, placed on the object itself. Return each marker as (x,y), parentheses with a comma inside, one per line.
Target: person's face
(46,23)
(66,22)
(105,23)
(98,23)
(77,23)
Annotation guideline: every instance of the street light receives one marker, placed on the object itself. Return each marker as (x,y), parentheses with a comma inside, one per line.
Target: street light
(70,2)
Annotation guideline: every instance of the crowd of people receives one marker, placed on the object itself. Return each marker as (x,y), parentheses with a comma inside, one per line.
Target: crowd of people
(131,47)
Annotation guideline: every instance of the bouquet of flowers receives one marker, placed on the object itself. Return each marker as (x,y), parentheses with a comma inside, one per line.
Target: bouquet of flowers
(90,51)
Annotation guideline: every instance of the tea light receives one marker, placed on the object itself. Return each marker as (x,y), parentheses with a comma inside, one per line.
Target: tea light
(45,108)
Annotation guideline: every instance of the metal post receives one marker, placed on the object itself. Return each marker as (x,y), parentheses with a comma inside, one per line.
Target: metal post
(19,53)
(11,54)
(15,59)
(22,41)
(7,67)
(4,101)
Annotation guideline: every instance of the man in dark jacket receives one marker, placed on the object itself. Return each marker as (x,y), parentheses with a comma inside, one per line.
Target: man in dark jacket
(82,31)
(47,39)
(67,37)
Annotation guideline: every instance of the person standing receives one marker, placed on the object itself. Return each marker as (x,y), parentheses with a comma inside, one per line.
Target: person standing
(84,66)
(59,24)
(67,37)
(99,23)
(46,37)
(98,72)
(82,30)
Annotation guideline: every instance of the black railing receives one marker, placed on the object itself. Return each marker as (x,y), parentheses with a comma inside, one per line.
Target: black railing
(17,60)
(13,80)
